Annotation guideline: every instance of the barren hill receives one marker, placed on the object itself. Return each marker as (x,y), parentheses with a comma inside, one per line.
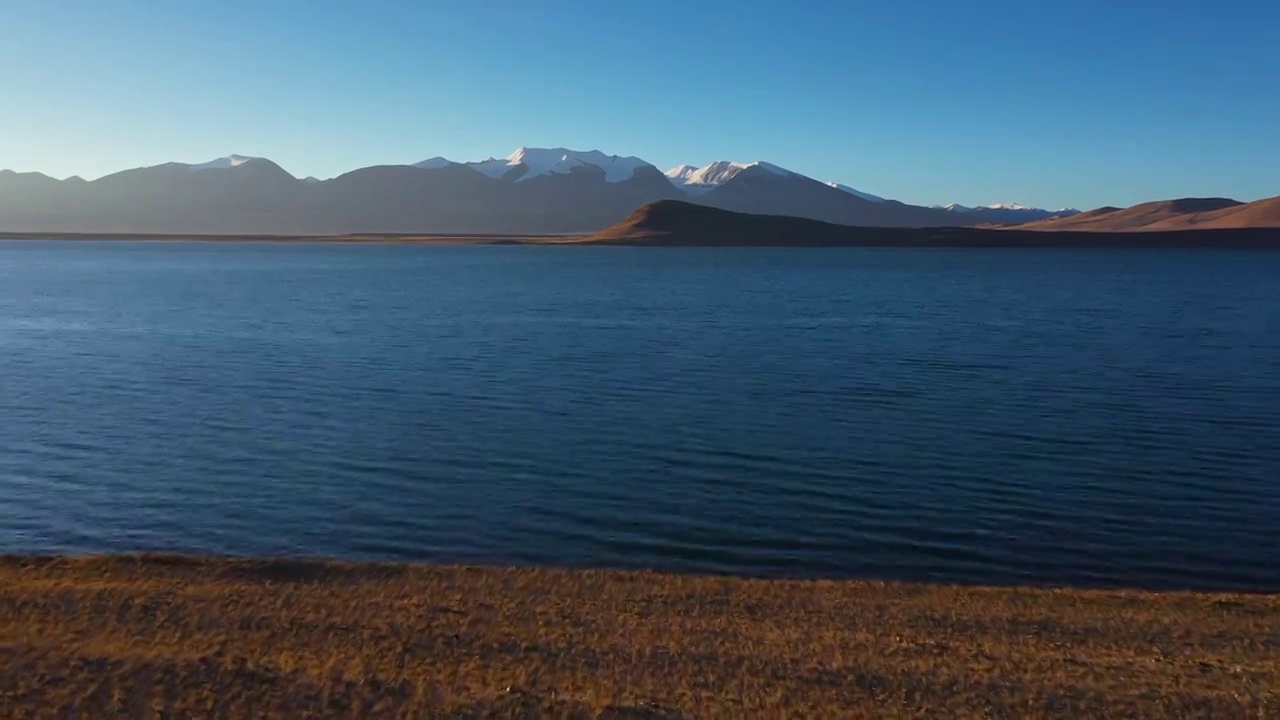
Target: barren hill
(1168,215)
(1260,214)
(1138,217)
(673,222)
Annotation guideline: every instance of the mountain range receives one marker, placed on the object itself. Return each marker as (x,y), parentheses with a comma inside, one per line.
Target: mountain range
(1006,213)
(531,191)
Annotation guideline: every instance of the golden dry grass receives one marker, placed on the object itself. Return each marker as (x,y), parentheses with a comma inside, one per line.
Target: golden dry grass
(176,637)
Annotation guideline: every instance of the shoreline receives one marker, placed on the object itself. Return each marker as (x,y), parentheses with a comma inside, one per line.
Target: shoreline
(353,239)
(747,231)
(228,637)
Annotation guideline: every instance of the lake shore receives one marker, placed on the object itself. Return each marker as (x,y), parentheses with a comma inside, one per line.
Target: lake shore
(176,636)
(354,239)
(675,224)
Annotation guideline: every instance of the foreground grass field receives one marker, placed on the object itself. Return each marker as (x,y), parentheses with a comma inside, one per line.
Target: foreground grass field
(174,637)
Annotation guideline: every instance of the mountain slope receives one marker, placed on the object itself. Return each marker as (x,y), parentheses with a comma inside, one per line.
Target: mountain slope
(1259,214)
(769,190)
(766,189)
(854,191)
(1161,214)
(697,181)
(447,197)
(406,199)
(536,191)
(676,222)
(252,196)
(681,223)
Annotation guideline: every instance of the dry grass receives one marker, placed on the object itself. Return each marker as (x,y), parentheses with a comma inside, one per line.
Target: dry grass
(170,637)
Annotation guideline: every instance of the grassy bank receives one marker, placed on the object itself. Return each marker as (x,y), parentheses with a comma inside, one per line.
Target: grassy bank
(186,637)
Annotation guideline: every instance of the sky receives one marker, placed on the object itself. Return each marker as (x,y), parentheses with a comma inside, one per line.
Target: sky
(1053,104)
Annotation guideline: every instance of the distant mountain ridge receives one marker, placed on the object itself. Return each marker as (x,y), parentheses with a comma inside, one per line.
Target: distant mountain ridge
(1007,213)
(531,191)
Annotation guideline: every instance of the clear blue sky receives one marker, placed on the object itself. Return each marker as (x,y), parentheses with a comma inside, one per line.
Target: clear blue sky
(1077,103)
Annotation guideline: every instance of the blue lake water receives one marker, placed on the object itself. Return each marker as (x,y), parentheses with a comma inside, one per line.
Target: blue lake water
(992,416)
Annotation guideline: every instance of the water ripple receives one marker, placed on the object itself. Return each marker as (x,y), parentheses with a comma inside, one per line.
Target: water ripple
(1069,417)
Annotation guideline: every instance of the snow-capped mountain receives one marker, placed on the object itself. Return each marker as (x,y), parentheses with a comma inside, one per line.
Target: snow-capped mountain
(532,190)
(1008,213)
(528,163)
(766,189)
(695,181)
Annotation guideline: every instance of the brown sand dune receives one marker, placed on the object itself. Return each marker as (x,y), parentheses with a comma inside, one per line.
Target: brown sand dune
(177,637)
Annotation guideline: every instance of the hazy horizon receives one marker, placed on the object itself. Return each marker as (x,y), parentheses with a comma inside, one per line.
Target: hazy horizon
(1078,105)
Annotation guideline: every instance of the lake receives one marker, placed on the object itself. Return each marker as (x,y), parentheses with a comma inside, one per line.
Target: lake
(1077,417)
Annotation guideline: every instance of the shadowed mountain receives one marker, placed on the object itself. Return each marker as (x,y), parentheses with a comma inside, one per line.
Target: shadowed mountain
(678,223)
(11,182)
(254,196)
(540,191)
(405,199)
(581,200)
(529,193)
(458,198)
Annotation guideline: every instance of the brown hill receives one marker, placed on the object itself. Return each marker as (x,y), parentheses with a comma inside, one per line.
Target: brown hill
(678,223)
(674,222)
(1139,217)
(1260,214)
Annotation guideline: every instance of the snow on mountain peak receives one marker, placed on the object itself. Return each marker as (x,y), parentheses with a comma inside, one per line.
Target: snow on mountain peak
(1009,211)
(225,163)
(699,180)
(858,193)
(560,161)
